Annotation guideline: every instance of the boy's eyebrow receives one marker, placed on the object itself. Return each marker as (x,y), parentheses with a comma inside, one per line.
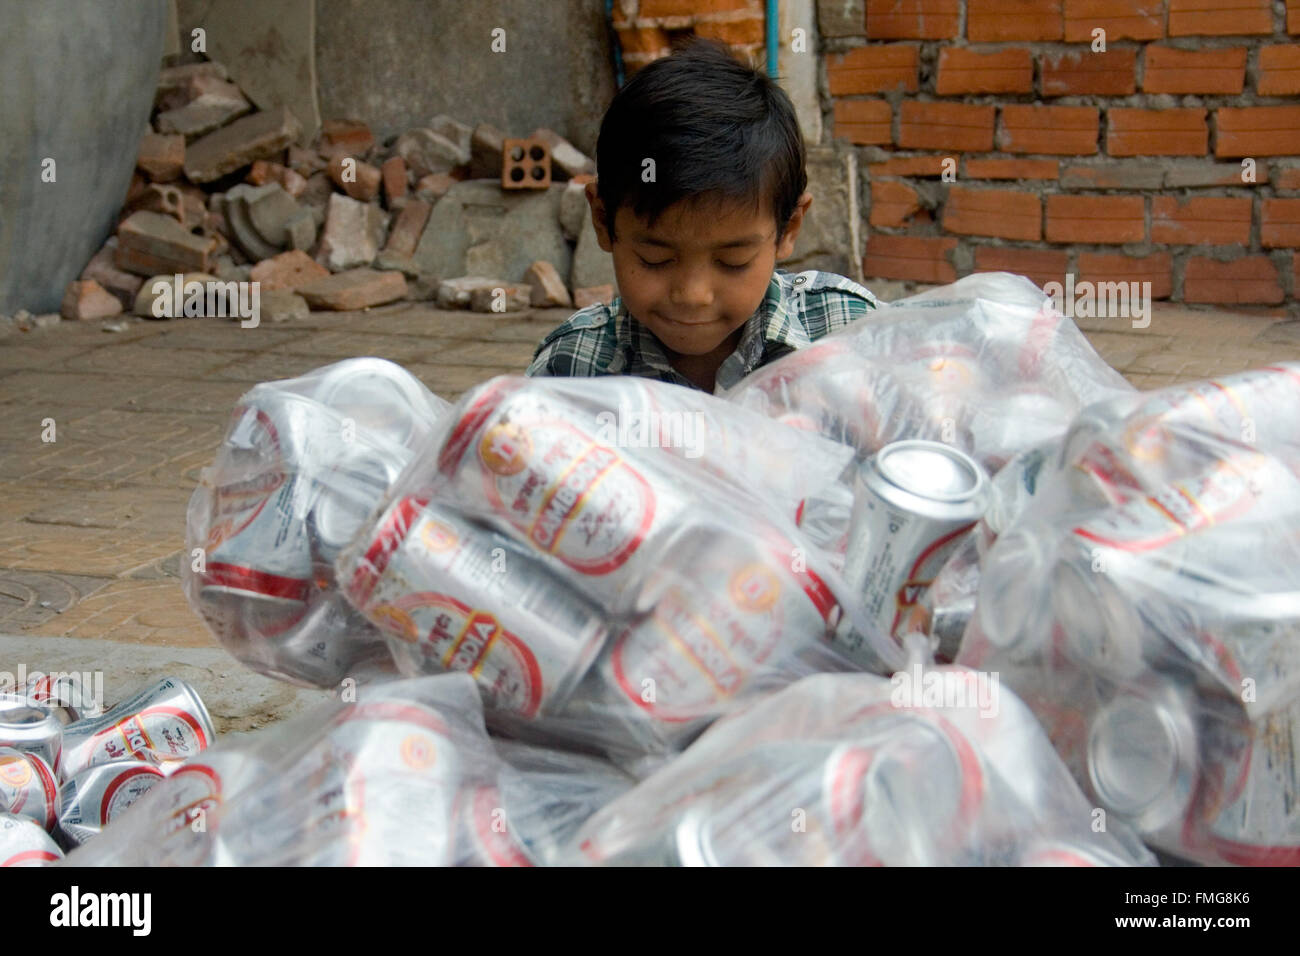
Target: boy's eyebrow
(648,240)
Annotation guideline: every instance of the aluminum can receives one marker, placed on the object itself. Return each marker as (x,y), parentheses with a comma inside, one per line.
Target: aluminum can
(707,636)
(486,835)
(24,843)
(453,595)
(348,492)
(534,467)
(1144,759)
(913,502)
(1068,853)
(1258,820)
(162,724)
(65,695)
(32,728)
(90,800)
(386,403)
(27,787)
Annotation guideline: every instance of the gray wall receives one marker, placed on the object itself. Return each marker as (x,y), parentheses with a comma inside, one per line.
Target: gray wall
(395,63)
(77,81)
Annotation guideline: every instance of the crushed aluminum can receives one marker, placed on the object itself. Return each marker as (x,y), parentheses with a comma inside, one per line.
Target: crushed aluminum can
(28,787)
(347,493)
(32,728)
(1144,759)
(65,695)
(382,400)
(706,636)
(534,467)
(24,843)
(1258,823)
(453,595)
(486,836)
(913,502)
(90,800)
(162,724)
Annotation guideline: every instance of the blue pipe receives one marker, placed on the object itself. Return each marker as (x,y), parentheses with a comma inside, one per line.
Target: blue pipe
(772,28)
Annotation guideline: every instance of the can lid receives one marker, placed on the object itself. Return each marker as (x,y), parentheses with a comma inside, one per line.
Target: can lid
(929,469)
(1137,758)
(18,711)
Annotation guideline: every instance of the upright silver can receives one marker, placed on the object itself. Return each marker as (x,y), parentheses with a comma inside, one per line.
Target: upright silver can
(913,502)
(32,728)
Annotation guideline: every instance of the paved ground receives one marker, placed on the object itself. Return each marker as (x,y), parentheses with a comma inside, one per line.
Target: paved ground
(92,524)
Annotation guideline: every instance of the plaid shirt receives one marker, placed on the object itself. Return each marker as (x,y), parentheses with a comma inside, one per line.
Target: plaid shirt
(797,310)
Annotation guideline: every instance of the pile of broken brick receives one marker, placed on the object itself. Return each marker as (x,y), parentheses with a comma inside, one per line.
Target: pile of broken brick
(224,194)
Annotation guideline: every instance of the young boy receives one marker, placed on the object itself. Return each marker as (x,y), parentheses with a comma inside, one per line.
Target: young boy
(700,189)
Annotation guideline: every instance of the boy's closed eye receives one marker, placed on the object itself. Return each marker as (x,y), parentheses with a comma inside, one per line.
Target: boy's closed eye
(664,263)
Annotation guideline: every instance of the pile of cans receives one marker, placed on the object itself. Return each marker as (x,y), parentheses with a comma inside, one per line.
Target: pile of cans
(839,770)
(67,768)
(303,463)
(405,776)
(1147,605)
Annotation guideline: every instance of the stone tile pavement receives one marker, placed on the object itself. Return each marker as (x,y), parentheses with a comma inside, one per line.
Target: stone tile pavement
(92,524)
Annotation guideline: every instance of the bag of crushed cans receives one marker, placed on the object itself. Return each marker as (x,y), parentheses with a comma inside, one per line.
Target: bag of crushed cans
(302,464)
(937,766)
(68,767)
(611,586)
(404,776)
(1147,607)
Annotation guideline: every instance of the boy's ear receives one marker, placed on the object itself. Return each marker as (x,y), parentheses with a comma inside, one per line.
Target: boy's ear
(598,217)
(785,247)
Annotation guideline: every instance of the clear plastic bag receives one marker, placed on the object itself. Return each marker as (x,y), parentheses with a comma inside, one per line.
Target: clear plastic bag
(303,463)
(405,776)
(861,770)
(567,562)
(1147,605)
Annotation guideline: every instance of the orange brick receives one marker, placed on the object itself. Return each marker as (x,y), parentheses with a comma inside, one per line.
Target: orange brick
(1280,223)
(1095,219)
(1287,178)
(909,166)
(1012,168)
(874,69)
(643,39)
(1293,16)
(1039,266)
(1251,279)
(1194,71)
(1220,17)
(913,19)
(893,203)
(1204,219)
(734,32)
(1002,213)
(961,127)
(962,70)
(865,122)
(918,258)
(999,21)
(1279,70)
(1173,132)
(1056,130)
(1121,19)
(1158,269)
(1084,73)
(1258,131)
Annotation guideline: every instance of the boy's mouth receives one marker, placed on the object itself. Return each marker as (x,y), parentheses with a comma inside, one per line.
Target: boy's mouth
(687,323)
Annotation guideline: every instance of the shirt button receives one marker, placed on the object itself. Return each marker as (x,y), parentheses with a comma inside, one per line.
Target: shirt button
(800,280)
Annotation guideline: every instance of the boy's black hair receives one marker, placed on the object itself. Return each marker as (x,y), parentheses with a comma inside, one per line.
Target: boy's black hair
(716,129)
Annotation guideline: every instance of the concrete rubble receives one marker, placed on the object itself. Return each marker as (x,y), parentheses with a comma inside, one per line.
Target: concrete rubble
(226,192)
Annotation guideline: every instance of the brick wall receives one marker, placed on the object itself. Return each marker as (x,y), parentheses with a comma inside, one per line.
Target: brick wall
(998,135)
(647,29)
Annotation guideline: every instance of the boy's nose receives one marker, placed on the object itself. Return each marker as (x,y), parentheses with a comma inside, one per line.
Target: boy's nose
(692,292)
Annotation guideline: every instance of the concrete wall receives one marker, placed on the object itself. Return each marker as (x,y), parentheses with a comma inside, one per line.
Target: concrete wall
(78,80)
(396,63)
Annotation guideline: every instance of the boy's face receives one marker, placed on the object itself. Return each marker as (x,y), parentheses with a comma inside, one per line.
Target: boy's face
(698,275)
